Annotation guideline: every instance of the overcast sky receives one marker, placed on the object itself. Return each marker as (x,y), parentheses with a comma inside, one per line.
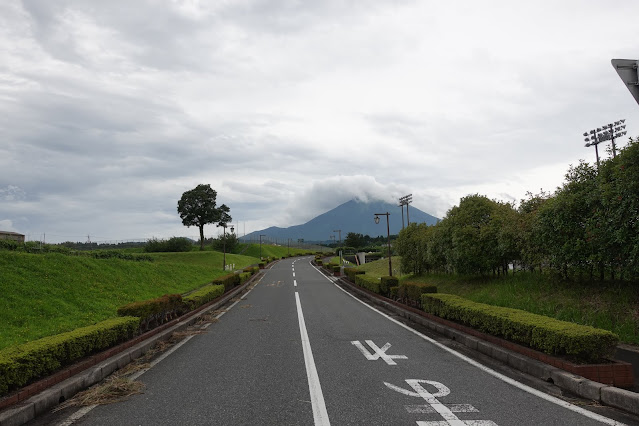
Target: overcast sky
(110,110)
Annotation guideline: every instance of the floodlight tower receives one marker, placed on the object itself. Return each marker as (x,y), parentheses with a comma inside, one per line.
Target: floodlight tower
(405,201)
(607,132)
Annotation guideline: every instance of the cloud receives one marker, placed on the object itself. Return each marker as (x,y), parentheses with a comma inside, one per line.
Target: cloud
(111,110)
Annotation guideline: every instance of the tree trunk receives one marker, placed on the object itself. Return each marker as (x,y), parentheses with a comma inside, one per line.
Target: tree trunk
(201,237)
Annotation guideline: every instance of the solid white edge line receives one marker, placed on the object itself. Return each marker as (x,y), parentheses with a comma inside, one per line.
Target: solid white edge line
(320,415)
(494,373)
(77,415)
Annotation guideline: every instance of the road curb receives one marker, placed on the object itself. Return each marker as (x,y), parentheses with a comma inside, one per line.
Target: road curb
(604,394)
(27,410)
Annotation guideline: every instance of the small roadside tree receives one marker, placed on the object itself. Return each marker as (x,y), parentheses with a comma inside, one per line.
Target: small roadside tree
(197,207)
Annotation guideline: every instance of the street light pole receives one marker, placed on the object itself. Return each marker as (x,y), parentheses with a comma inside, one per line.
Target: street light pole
(261,245)
(377,215)
(224,246)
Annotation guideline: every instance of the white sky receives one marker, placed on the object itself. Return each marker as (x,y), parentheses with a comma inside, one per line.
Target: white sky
(110,110)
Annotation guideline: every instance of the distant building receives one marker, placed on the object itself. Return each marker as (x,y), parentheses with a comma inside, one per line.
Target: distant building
(14,236)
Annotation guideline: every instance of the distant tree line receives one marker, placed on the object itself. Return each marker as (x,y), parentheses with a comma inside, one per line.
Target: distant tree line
(356,240)
(588,228)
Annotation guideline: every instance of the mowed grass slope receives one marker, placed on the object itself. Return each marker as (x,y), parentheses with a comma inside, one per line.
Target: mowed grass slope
(46,294)
(610,306)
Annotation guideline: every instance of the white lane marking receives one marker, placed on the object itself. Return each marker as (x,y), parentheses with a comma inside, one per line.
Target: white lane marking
(77,415)
(492,372)
(427,409)
(320,415)
(295,283)
(293,273)
(431,398)
(377,352)
(464,422)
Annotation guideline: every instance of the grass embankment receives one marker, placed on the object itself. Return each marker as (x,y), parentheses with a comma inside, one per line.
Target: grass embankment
(609,306)
(379,268)
(46,294)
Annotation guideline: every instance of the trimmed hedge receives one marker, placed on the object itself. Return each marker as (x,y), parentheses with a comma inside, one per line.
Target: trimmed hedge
(244,277)
(228,281)
(336,269)
(252,269)
(153,312)
(413,291)
(202,296)
(351,272)
(369,283)
(548,335)
(386,283)
(393,292)
(23,364)
(319,262)
(144,308)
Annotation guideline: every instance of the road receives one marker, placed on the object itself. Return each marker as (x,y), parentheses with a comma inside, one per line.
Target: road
(299,350)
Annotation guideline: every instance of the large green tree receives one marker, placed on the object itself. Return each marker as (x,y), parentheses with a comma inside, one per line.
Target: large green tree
(197,207)
(353,239)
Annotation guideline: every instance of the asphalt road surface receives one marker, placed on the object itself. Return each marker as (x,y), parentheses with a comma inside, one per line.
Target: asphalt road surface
(299,350)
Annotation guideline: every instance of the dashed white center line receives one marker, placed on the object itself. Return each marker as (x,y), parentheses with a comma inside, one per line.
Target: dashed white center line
(320,415)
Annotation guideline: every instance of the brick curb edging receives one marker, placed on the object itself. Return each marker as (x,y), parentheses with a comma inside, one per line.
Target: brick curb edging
(38,397)
(605,394)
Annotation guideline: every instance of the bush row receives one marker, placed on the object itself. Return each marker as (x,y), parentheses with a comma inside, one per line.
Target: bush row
(202,296)
(175,244)
(23,364)
(34,247)
(153,312)
(381,286)
(351,272)
(411,292)
(548,335)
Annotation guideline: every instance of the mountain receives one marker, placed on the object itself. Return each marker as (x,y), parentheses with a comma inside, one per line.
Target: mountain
(352,216)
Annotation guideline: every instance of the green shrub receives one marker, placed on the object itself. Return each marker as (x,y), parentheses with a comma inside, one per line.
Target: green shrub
(228,281)
(244,277)
(336,269)
(413,291)
(154,312)
(394,292)
(9,245)
(22,364)
(175,244)
(551,336)
(202,296)
(252,269)
(319,262)
(370,283)
(386,283)
(351,272)
(116,254)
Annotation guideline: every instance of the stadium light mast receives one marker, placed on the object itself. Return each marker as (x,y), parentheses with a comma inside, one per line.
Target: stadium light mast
(405,201)
(607,132)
